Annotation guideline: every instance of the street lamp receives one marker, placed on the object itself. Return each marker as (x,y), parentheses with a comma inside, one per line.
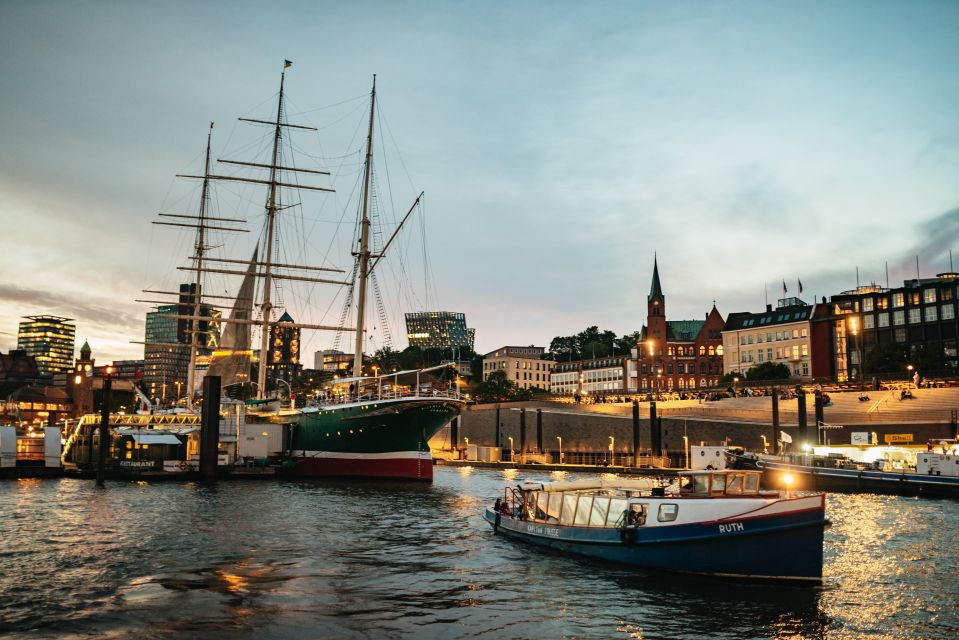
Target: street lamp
(289,390)
(560,449)
(686,449)
(467,441)
(735,382)
(612,450)
(510,448)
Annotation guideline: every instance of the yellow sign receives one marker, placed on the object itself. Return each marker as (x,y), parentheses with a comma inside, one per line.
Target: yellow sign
(902,438)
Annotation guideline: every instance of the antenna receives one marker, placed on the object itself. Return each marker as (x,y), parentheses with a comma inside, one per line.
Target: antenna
(887,274)
(917,268)
(857,277)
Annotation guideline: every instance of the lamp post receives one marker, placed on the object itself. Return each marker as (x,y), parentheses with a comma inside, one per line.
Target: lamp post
(735,384)
(289,390)
(686,449)
(467,441)
(179,383)
(510,448)
(560,449)
(612,450)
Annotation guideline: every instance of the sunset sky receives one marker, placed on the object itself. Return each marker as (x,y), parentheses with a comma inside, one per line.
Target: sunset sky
(559,144)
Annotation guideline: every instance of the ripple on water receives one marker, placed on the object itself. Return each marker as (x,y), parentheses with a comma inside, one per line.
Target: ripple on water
(362,559)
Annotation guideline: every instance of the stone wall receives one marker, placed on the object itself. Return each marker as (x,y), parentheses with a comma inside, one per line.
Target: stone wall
(588,432)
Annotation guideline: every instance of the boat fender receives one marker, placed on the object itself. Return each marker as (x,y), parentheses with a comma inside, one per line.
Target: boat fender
(496,522)
(627,535)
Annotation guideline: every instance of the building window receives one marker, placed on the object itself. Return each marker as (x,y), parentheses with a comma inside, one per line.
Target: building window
(867,304)
(914,316)
(702,367)
(914,298)
(948,311)
(804,332)
(930,313)
(759,338)
(947,294)
(769,354)
(805,368)
(882,302)
(795,333)
(900,334)
(795,352)
(883,320)
(898,300)
(805,349)
(702,350)
(711,351)
(669,368)
(899,317)
(929,295)
(868,321)
(702,382)
(719,350)
(760,354)
(742,339)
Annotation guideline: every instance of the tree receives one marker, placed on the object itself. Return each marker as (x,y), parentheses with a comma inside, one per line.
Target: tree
(496,388)
(768,371)
(590,343)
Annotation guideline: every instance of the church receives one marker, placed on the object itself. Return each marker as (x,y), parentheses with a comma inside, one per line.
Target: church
(677,355)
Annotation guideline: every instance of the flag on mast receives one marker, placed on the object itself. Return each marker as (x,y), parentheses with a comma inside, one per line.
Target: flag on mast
(800,284)
(785,437)
(287,63)
(785,290)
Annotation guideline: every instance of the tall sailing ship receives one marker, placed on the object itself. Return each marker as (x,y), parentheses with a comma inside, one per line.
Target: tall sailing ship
(363,425)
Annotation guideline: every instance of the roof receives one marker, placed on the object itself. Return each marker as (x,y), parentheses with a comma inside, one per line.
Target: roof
(155,438)
(286,317)
(683,330)
(655,289)
(746,320)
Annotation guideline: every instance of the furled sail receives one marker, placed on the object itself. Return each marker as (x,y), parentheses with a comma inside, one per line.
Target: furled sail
(232,360)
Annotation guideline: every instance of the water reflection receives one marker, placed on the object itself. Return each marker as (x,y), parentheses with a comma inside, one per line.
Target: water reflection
(354,559)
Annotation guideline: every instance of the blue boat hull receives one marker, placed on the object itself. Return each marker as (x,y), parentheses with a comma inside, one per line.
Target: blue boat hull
(785,547)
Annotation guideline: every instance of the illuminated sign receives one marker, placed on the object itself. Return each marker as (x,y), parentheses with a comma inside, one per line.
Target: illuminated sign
(903,438)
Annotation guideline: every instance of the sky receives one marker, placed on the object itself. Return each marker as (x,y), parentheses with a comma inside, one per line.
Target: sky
(559,144)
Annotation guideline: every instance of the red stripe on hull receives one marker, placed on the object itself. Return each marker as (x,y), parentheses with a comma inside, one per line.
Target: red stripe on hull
(398,468)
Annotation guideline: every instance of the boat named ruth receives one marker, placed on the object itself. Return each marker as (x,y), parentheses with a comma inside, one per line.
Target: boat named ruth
(710,522)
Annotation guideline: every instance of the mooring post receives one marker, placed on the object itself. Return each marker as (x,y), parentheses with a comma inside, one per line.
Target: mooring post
(820,409)
(655,433)
(636,433)
(801,410)
(522,434)
(496,439)
(454,433)
(539,431)
(209,427)
(104,430)
(774,436)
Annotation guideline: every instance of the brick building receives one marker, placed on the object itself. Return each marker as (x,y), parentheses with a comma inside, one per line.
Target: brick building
(677,354)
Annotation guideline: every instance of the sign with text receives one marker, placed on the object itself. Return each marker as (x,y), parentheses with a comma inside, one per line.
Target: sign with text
(897,438)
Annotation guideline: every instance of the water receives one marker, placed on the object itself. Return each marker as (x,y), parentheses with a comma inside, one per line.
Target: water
(368,560)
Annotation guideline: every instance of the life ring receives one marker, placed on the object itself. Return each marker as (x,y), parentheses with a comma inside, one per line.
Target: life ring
(183,465)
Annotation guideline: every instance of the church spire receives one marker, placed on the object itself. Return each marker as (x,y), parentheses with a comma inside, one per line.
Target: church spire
(655,288)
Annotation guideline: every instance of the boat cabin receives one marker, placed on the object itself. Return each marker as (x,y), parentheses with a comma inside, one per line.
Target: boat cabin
(623,503)
(719,483)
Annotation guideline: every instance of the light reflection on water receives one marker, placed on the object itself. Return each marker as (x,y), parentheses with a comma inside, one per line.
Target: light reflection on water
(358,560)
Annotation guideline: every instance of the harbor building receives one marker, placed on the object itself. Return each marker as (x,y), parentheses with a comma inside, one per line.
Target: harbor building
(524,366)
(284,352)
(792,334)
(919,317)
(332,360)
(676,355)
(50,340)
(439,330)
(594,376)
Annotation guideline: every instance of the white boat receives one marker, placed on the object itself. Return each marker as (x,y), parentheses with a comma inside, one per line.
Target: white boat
(709,522)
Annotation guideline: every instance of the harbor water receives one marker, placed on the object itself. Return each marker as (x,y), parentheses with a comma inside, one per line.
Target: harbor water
(336,559)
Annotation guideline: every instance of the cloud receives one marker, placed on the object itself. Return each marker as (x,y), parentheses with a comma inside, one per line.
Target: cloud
(84,308)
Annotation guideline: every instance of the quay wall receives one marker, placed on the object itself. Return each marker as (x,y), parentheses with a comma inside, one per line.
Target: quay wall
(590,432)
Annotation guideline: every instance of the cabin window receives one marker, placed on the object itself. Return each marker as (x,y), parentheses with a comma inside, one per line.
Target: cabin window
(637,515)
(600,507)
(734,484)
(583,509)
(569,510)
(752,483)
(668,512)
(718,483)
(555,507)
(616,508)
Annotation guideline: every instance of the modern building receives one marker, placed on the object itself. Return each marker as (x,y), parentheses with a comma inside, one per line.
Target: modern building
(332,360)
(284,352)
(676,355)
(439,330)
(50,340)
(524,366)
(920,316)
(595,376)
(795,334)
(17,369)
(166,351)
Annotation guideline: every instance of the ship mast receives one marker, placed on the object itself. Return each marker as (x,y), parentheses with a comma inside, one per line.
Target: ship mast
(364,253)
(266,306)
(198,262)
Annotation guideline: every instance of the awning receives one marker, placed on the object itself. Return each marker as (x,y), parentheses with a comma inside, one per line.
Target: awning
(155,438)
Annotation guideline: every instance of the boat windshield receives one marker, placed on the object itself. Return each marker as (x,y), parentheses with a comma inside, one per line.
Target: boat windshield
(720,483)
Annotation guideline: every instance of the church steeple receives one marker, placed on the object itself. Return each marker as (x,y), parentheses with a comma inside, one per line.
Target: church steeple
(655,289)
(85,351)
